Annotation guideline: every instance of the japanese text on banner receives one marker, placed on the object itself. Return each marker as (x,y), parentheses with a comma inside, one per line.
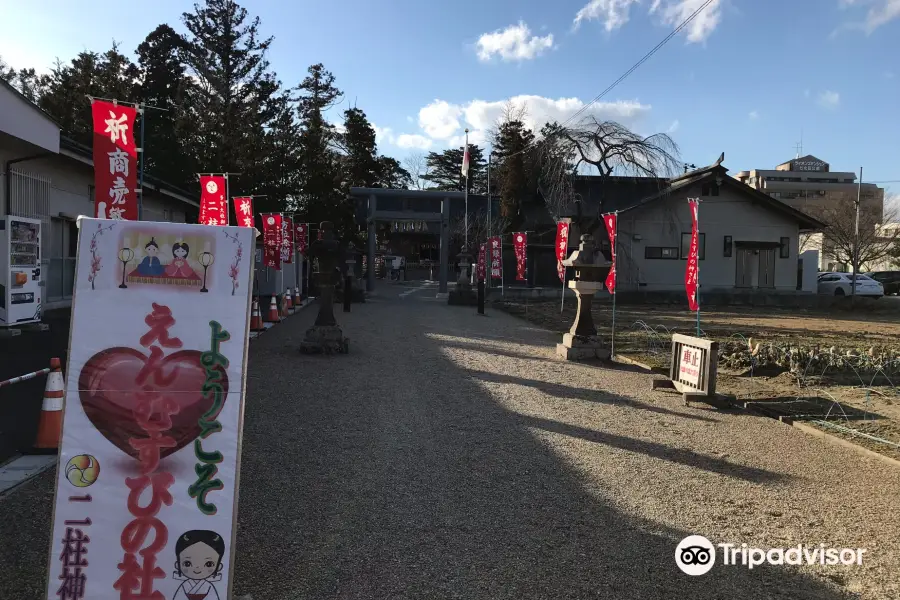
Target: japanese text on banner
(481,271)
(272,240)
(287,240)
(496,257)
(692,272)
(301,236)
(611,221)
(115,161)
(213,203)
(562,247)
(520,244)
(243,208)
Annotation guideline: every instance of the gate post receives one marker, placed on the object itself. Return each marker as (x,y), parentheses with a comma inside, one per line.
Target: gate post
(370,260)
(445,247)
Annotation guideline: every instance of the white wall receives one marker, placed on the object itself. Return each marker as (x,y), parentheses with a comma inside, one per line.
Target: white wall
(21,119)
(662,222)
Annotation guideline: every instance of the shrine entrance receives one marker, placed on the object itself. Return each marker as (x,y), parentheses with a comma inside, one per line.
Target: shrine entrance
(427,210)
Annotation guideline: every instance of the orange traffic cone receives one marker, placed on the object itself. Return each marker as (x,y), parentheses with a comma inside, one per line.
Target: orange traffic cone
(288,301)
(274,316)
(298,299)
(256,322)
(50,425)
(284,307)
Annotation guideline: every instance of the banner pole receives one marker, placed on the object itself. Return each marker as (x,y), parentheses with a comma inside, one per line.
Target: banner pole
(141,169)
(502,291)
(562,292)
(698,269)
(612,345)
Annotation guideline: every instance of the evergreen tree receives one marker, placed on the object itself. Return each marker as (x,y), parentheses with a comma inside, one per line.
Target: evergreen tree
(445,169)
(512,169)
(391,175)
(361,167)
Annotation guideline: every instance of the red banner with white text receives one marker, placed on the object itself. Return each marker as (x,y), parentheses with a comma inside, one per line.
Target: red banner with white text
(496,257)
(562,247)
(213,203)
(115,161)
(272,241)
(287,240)
(520,245)
(243,210)
(612,224)
(301,236)
(692,272)
(481,271)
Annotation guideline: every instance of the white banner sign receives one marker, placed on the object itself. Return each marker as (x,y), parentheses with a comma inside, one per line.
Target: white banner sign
(148,467)
(689,369)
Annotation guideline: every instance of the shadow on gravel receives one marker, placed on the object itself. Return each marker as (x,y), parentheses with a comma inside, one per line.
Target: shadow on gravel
(389,473)
(567,392)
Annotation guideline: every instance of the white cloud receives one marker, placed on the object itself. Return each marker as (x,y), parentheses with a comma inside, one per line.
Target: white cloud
(383,135)
(880,13)
(829,99)
(513,43)
(674,126)
(753,115)
(613,13)
(676,11)
(440,119)
(414,140)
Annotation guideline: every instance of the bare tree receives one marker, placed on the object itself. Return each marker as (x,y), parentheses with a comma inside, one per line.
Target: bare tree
(608,147)
(417,165)
(510,112)
(479,229)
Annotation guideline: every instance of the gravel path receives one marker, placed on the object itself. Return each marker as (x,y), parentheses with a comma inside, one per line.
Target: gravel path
(451,456)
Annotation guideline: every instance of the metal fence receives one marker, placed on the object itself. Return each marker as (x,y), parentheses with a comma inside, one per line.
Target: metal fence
(30,197)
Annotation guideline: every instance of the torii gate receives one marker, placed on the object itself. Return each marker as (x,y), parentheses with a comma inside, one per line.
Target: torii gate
(373,215)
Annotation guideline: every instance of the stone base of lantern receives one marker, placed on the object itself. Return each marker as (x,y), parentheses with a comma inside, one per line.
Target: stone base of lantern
(463,296)
(325,339)
(578,347)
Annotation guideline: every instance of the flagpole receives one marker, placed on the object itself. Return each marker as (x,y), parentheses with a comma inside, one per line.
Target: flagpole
(466,195)
(612,344)
(489,203)
(698,267)
(141,168)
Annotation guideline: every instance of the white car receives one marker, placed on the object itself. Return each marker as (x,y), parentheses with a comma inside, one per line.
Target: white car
(841,284)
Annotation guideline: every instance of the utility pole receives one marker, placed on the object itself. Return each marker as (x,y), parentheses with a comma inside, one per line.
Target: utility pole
(856,238)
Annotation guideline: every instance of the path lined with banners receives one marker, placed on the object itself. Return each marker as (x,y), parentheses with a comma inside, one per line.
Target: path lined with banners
(452,456)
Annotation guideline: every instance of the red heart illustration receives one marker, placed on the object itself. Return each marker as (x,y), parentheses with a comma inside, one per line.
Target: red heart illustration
(108,390)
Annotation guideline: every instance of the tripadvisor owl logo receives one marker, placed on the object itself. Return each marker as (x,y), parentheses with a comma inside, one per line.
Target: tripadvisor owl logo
(695,555)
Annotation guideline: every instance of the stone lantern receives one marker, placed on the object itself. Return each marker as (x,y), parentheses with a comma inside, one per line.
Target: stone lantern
(325,336)
(591,268)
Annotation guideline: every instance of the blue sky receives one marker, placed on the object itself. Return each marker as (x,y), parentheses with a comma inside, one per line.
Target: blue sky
(745,78)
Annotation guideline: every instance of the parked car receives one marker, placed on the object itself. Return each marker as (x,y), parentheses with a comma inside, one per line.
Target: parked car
(840,284)
(889,279)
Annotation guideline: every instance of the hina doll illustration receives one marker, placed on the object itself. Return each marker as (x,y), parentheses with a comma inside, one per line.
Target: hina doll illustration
(179,267)
(198,565)
(150,266)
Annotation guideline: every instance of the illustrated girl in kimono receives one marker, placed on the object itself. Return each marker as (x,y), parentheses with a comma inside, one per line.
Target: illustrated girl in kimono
(150,266)
(179,266)
(198,565)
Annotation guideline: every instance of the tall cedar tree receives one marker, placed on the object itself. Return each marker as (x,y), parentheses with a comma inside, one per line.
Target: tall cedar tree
(165,85)
(445,170)
(283,144)
(320,175)
(233,99)
(361,153)
(513,173)
(392,175)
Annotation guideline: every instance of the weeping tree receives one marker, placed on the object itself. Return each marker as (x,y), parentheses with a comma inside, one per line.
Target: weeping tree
(604,148)
(479,225)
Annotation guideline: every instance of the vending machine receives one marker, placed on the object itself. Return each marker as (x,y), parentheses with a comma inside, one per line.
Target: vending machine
(20,271)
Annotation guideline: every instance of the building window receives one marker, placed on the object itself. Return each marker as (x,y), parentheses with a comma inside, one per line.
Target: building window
(686,245)
(659,252)
(785,250)
(91,193)
(726,251)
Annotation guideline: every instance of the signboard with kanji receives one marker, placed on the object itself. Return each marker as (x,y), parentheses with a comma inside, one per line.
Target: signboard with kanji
(693,365)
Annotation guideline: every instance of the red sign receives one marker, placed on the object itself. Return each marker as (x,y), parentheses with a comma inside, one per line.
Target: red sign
(115,161)
(611,221)
(213,203)
(272,241)
(301,236)
(496,257)
(243,210)
(562,247)
(520,245)
(481,272)
(321,233)
(287,240)
(692,272)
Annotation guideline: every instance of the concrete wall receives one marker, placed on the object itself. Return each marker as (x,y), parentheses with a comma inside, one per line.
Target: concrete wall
(21,119)
(662,223)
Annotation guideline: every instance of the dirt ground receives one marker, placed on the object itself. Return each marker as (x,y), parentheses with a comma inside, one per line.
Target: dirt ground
(643,333)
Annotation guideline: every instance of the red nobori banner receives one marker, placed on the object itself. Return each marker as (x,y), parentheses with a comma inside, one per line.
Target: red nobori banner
(115,161)
(692,272)
(272,241)
(243,210)
(520,245)
(496,257)
(213,203)
(287,240)
(301,236)
(481,272)
(562,247)
(612,224)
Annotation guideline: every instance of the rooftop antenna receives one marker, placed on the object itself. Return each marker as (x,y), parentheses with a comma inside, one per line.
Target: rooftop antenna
(799,145)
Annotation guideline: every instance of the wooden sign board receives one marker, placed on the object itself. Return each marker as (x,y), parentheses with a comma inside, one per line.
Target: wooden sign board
(693,365)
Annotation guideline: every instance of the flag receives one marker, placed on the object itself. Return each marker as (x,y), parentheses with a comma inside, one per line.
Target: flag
(272,241)
(692,272)
(243,210)
(115,161)
(496,257)
(482,262)
(612,223)
(287,240)
(520,245)
(562,247)
(213,204)
(465,165)
(301,235)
